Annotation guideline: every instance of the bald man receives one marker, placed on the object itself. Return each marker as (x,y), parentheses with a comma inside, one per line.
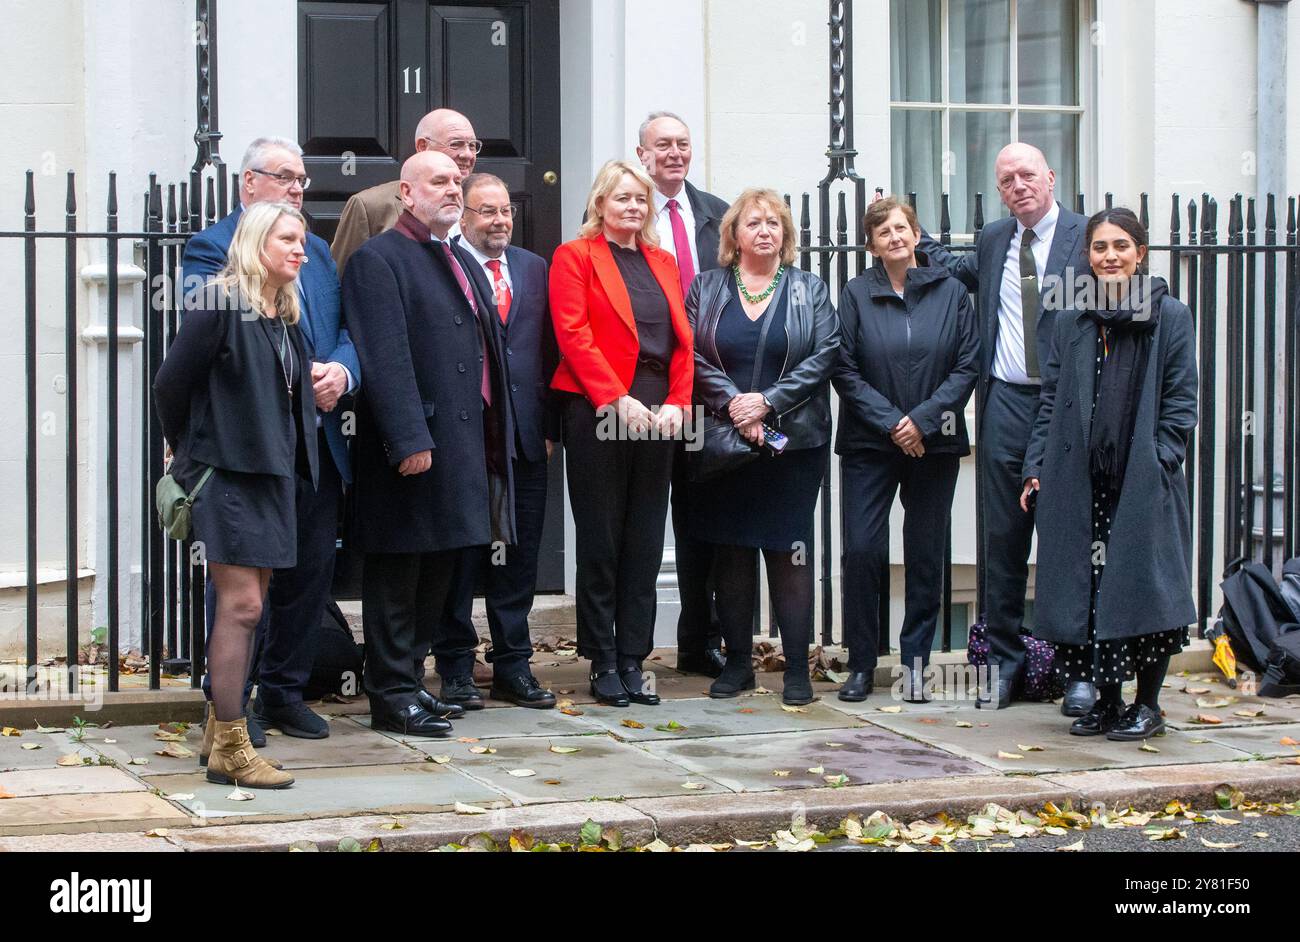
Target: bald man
(435,436)
(1016,261)
(375,210)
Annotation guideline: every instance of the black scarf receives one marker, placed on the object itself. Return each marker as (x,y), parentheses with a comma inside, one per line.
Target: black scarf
(1128,327)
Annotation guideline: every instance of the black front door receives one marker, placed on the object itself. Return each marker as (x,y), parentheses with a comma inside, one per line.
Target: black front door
(369,70)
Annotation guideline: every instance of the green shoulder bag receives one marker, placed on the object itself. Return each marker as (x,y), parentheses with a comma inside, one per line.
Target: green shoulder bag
(174,505)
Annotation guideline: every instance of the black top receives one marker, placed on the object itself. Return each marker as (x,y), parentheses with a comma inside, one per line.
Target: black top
(654,325)
(737,342)
(291,369)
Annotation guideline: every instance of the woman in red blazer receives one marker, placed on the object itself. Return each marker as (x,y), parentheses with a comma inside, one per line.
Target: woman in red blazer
(627,364)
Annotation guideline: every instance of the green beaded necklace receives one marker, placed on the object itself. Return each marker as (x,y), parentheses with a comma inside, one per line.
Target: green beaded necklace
(757,298)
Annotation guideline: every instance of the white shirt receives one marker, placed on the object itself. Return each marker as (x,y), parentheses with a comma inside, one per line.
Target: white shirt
(664,223)
(1009,355)
(483,260)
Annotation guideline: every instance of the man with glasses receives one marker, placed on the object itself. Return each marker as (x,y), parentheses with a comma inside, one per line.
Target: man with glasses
(689,222)
(516,282)
(286,644)
(376,210)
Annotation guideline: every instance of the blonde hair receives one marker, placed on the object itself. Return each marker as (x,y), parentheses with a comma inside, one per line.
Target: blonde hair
(729,250)
(245,274)
(607,181)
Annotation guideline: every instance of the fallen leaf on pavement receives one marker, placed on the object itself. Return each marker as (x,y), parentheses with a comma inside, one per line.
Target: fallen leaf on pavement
(31,745)
(1077,845)
(1262,835)
(240,795)
(482,750)
(694,786)
(393,825)
(930,720)
(70,759)
(1212,703)
(747,710)
(760,691)
(1147,747)
(1219,819)
(1249,714)
(176,751)
(835,745)
(157,832)
(1288,741)
(139,761)
(441,760)
(672,726)
(168,736)
(9,731)
(1029,748)
(565,750)
(1208,719)
(836,781)
(1009,755)
(633,724)
(571,711)
(1196,690)
(962,724)
(521,773)
(754,844)
(793,709)
(781,773)
(462,808)
(656,847)
(552,781)
(891,709)
(180,796)
(817,770)
(49,729)
(1218,846)
(1003,846)
(1164,834)
(467,739)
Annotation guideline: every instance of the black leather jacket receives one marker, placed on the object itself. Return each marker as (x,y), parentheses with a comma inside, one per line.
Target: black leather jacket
(801,397)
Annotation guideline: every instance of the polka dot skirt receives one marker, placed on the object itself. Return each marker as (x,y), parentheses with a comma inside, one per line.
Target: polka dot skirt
(1111,661)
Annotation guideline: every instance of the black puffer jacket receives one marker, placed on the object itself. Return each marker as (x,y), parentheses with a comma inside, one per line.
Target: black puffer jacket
(801,397)
(915,356)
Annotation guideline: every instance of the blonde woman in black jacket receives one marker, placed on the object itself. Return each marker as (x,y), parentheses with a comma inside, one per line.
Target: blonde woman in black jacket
(908,363)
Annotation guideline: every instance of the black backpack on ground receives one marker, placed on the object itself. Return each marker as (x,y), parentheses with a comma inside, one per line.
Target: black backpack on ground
(1262,627)
(339,658)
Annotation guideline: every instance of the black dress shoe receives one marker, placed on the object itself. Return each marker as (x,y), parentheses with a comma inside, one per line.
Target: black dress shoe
(608,689)
(522,690)
(998,699)
(709,662)
(1101,718)
(914,686)
(461,691)
(440,709)
(256,732)
(1138,722)
(737,675)
(412,720)
(797,689)
(857,688)
(634,683)
(1079,698)
(293,719)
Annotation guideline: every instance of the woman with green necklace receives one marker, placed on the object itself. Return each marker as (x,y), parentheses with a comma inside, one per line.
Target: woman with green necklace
(766,339)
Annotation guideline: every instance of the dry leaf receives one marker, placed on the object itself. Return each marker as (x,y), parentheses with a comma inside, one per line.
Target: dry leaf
(467,739)
(761,691)
(816,770)
(1287,741)
(1213,703)
(1003,846)
(1262,835)
(571,711)
(694,786)
(1147,747)
(891,709)
(1208,719)
(393,825)
(1218,846)
(1077,845)
(565,750)
(552,781)
(793,709)
(1249,714)
(441,760)
(1226,822)
(240,795)
(482,750)
(176,751)
(462,808)
(1009,755)
(9,731)
(49,729)
(162,736)
(633,724)
(836,781)
(139,761)
(521,773)
(781,773)
(157,832)
(1029,748)
(110,742)
(1194,691)
(746,710)
(1164,834)
(656,847)
(31,745)
(962,724)
(70,759)
(835,745)
(180,796)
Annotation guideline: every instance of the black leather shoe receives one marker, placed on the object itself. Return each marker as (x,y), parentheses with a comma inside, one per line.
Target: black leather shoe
(737,675)
(1138,722)
(709,662)
(608,689)
(293,719)
(522,690)
(256,732)
(461,691)
(914,686)
(857,688)
(1079,698)
(998,699)
(440,709)
(634,683)
(413,720)
(1101,718)
(798,689)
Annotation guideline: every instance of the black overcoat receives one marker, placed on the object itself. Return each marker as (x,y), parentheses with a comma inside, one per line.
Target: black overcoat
(1146,583)
(420,349)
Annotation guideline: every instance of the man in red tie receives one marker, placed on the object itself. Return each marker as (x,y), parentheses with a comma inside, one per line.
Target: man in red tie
(689,222)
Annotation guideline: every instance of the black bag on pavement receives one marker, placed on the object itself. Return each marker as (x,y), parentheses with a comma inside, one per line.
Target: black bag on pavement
(1261,627)
(1291,586)
(339,659)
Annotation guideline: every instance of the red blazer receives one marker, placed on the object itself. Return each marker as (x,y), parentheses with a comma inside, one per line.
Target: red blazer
(596,331)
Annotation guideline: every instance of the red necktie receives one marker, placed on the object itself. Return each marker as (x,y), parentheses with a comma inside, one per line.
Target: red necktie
(485,384)
(682,243)
(501,289)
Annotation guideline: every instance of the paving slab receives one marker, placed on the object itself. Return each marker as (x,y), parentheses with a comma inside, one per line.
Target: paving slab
(71,814)
(349,744)
(497,724)
(704,718)
(603,768)
(747,763)
(334,792)
(1042,725)
(83,780)
(1257,740)
(884,698)
(13,756)
(1180,706)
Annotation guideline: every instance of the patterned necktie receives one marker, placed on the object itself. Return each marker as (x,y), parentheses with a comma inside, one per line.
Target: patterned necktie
(500,289)
(485,383)
(1029,302)
(682,244)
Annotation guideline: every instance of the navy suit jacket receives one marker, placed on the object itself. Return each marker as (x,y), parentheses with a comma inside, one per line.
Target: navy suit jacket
(322,315)
(531,353)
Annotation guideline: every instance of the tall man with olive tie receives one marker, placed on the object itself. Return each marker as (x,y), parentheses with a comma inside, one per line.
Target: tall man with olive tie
(1016,262)
(689,222)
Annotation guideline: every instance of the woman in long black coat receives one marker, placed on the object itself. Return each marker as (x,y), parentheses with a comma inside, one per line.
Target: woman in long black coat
(1114,525)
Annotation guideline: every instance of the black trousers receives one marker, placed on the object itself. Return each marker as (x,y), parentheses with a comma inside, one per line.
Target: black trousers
(1009,414)
(510,578)
(618,490)
(698,627)
(284,649)
(403,596)
(870,479)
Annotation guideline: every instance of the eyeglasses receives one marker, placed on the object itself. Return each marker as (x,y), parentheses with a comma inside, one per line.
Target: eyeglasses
(285,180)
(458,145)
(492,212)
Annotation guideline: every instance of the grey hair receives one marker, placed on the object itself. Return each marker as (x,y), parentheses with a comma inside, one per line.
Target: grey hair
(655,116)
(258,150)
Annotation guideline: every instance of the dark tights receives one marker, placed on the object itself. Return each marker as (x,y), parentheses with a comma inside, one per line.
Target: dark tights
(241,593)
(1149,679)
(790,581)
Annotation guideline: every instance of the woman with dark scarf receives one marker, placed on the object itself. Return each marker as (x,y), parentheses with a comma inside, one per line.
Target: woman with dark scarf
(1105,463)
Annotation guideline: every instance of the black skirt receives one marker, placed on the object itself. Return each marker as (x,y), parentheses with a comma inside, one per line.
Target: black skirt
(243,519)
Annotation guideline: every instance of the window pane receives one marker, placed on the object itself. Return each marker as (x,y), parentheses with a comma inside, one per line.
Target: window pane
(979,40)
(976,137)
(914,31)
(915,144)
(1057,136)
(1048,49)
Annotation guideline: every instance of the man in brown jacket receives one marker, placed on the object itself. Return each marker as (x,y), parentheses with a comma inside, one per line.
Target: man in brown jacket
(375,210)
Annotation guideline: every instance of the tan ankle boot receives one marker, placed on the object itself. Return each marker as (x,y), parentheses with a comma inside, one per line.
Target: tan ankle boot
(233,760)
(209,730)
